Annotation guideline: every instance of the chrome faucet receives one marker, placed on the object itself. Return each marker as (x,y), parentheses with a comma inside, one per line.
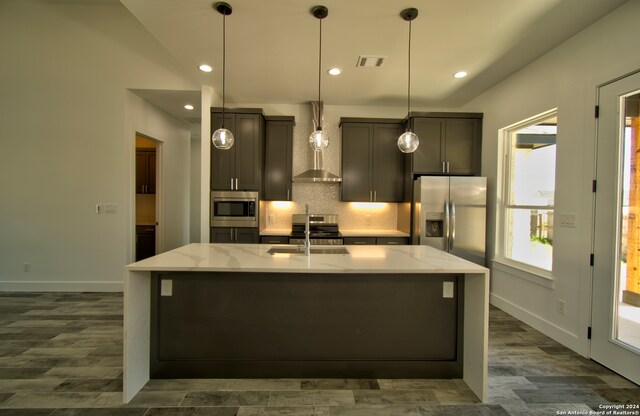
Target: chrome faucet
(307,242)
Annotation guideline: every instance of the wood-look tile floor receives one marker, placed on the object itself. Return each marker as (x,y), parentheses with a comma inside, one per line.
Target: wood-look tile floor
(61,355)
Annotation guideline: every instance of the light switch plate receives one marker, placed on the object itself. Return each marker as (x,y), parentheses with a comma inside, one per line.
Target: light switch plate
(567,220)
(166,287)
(447,289)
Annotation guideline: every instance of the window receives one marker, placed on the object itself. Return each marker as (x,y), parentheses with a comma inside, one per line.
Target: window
(529,175)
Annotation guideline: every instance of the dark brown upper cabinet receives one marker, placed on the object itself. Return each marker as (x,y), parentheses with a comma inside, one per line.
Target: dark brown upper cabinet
(238,168)
(450,143)
(372,164)
(278,158)
(146,171)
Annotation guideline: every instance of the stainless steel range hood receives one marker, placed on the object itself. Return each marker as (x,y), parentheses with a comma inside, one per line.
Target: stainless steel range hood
(317,174)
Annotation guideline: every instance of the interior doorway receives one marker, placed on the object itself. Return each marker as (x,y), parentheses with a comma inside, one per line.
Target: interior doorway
(616,273)
(146,205)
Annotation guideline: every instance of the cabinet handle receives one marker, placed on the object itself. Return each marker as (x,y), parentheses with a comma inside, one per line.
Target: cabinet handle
(375,196)
(232,184)
(231,234)
(444,170)
(236,184)
(370,196)
(360,243)
(288,198)
(390,243)
(448,167)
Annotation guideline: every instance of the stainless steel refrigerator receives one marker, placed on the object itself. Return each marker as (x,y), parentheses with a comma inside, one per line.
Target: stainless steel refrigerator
(449,213)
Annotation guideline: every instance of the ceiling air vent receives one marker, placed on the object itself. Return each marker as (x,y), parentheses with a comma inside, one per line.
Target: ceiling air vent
(370,61)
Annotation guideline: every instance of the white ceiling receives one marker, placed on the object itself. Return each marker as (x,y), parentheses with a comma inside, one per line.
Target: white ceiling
(272,45)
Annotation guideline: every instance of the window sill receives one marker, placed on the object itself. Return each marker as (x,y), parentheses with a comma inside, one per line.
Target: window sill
(522,271)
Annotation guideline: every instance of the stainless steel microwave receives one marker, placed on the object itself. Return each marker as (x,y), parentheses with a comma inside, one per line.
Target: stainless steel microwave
(234,209)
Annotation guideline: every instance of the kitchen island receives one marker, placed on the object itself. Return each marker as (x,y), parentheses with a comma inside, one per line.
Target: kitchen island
(237,310)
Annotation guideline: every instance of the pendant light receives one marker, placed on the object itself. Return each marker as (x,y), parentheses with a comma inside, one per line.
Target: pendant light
(408,141)
(319,139)
(222,138)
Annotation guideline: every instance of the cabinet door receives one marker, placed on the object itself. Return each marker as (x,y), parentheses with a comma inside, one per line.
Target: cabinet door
(356,161)
(428,156)
(278,159)
(223,162)
(247,235)
(461,146)
(274,239)
(222,235)
(392,241)
(248,163)
(145,242)
(141,171)
(387,163)
(151,173)
(351,241)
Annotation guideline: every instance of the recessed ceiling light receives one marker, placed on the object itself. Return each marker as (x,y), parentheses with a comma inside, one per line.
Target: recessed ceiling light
(335,71)
(205,68)
(188,107)
(460,74)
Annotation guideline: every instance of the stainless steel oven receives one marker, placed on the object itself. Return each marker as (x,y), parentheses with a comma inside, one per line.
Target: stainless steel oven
(234,209)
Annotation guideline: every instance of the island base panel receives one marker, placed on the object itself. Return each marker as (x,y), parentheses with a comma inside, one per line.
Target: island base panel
(220,324)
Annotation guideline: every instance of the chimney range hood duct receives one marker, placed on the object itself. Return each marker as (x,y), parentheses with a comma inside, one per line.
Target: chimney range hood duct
(317,174)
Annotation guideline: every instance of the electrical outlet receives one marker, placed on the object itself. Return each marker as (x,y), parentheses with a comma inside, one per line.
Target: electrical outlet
(271,219)
(166,287)
(560,306)
(26,267)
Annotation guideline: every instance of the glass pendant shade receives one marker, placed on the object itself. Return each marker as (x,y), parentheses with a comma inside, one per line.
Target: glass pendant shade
(408,142)
(319,140)
(222,139)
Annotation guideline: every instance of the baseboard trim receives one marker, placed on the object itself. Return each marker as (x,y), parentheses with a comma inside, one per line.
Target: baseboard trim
(564,337)
(35,286)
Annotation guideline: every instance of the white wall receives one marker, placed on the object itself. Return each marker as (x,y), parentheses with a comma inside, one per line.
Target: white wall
(66,145)
(566,78)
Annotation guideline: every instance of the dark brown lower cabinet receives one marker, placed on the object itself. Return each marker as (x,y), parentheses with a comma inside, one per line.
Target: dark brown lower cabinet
(235,235)
(388,241)
(274,239)
(145,241)
(222,324)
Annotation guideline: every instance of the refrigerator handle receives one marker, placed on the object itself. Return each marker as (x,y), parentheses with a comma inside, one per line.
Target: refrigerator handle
(453,226)
(446,226)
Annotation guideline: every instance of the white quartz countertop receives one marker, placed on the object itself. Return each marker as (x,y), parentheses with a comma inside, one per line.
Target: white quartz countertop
(276,231)
(373,233)
(345,233)
(254,258)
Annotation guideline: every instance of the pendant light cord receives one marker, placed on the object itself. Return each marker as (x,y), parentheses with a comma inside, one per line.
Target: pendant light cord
(224,60)
(319,75)
(409,75)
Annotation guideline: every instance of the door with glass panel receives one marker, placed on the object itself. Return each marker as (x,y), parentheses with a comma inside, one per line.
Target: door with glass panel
(616,280)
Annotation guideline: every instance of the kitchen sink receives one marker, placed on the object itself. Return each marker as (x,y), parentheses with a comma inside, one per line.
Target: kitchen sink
(314,250)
